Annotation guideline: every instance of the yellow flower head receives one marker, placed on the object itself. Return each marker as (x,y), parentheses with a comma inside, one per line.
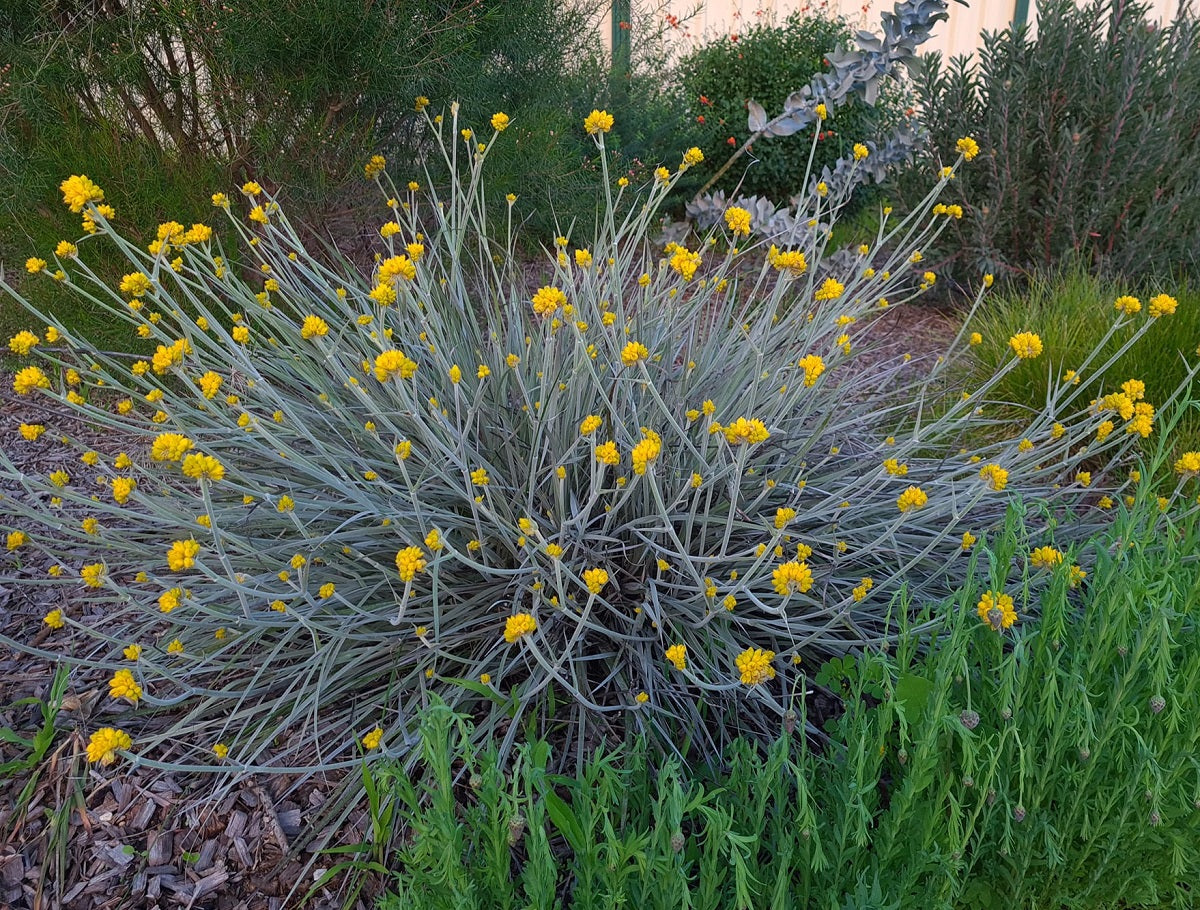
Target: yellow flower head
(1026,345)
(1188,463)
(375,166)
(860,151)
(314,327)
(831,289)
(996,476)
(813,367)
(22,343)
(500,122)
(409,562)
(646,451)
(28,379)
(595,579)
(78,191)
(685,263)
(738,220)
(968,147)
(791,261)
(373,739)
(1162,305)
(393,363)
(677,655)
(547,301)
(792,578)
(54,619)
(598,122)
(182,555)
(607,453)
(911,499)
(203,467)
(754,666)
(634,352)
(123,685)
(1045,558)
(104,743)
(691,157)
(518,626)
(996,609)
(747,432)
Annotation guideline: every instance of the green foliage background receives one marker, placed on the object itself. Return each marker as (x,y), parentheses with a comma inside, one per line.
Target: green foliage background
(1089,144)
(165,103)
(767,63)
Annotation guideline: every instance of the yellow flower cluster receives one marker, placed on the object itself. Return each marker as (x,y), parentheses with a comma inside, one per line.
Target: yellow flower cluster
(792,578)
(409,562)
(996,609)
(996,476)
(912,499)
(518,626)
(677,655)
(646,451)
(104,744)
(1026,345)
(738,221)
(746,432)
(754,666)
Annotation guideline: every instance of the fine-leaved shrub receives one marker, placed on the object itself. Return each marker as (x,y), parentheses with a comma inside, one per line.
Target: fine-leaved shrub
(634,484)
(1091,138)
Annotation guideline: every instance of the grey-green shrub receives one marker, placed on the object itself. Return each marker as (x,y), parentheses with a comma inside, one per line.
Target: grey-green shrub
(356,492)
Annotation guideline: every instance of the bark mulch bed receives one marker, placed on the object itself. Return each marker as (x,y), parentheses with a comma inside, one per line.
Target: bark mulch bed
(87,839)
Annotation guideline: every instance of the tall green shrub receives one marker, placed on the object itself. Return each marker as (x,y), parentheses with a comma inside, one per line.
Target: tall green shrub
(766,63)
(1090,137)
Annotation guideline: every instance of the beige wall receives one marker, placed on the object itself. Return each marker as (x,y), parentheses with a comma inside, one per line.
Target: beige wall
(717,18)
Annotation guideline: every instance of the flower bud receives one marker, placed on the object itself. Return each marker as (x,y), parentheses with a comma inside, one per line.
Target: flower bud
(991,797)
(1155,819)
(677,841)
(1019,814)
(970,719)
(902,755)
(1006,713)
(516,830)
(968,782)
(1157,703)
(1085,754)
(476,781)
(789,721)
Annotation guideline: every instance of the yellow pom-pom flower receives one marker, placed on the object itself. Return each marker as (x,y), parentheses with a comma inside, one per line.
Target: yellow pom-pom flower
(518,626)
(104,743)
(754,666)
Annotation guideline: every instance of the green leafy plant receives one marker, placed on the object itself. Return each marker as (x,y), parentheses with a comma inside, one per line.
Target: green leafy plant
(1049,766)
(765,64)
(635,496)
(1088,138)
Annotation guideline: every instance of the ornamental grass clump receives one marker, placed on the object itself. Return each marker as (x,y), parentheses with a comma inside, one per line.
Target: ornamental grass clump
(634,490)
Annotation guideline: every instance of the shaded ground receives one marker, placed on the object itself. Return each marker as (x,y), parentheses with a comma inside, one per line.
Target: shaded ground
(87,839)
